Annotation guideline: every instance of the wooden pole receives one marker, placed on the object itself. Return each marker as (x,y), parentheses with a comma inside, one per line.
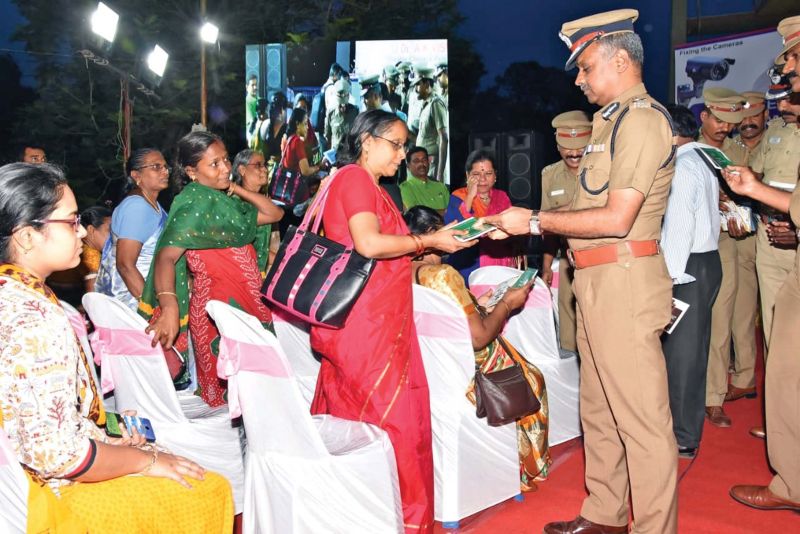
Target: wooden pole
(203,91)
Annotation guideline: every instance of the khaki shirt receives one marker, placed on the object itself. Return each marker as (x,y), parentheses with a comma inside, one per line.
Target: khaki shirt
(432,118)
(642,145)
(558,186)
(778,155)
(748,151)
(338,123)
(735,150)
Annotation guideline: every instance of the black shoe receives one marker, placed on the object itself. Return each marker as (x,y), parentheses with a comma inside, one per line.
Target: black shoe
(687,452)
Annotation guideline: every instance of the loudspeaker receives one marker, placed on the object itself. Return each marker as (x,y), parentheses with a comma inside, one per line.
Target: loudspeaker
(524,156)
(493,142)
(276,68)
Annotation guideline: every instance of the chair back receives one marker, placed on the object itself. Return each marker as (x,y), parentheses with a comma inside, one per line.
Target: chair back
(532,329)
(293,335)
(445,342)
(136,371)
(262,385)
(13,490)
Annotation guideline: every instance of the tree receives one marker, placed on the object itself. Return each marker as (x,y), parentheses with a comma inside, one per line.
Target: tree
(13,97)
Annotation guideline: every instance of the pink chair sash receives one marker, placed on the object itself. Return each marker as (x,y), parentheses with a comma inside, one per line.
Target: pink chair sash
(438,325)
(538,297)
(235,356)
(127,342)
(78,324)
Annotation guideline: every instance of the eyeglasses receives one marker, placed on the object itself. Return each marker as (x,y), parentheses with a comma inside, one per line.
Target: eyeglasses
(75,222)
(158,167)
(260,165)
(397,146)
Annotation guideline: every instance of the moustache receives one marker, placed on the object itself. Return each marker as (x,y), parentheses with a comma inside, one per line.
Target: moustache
(748,127)
(788,114)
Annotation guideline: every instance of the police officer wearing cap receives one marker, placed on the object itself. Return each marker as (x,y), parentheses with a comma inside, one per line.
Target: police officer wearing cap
(443,82)
(371,93)
(559,182)
(432,132)
(754,121)
(341,116)
(622,286)
(733,315)
(782,376)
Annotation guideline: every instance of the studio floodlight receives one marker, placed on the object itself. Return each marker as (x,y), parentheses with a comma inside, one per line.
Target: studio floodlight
(209,33)
(157,61)
(104,22)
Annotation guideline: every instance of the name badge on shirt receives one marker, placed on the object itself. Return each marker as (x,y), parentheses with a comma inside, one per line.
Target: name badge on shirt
(556,192)
(595,148)
(774,140)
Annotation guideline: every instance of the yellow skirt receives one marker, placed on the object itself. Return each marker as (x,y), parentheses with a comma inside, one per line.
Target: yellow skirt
(152,505)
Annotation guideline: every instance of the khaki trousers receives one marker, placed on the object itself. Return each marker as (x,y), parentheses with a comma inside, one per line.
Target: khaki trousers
(733,315)
(782,391)
(773,265)
(566,307)
(627,426)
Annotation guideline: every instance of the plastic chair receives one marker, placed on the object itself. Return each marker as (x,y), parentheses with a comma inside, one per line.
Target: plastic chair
(293,335)
(532,331)
(138,373)
(475,465)
(13,490)
(304,473)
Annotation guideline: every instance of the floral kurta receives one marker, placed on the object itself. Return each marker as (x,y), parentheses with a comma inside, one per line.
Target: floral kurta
(44,386)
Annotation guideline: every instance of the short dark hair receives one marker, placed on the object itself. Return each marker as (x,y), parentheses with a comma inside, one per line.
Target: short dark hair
(422,220)
(95,216)
(252,77)
(375,123)
(395,100)
(482,154)
(28,193)
(413,150)
(336,70)
(25,146)
(683,120)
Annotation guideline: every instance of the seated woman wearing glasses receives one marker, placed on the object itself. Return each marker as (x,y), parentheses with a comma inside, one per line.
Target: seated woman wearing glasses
(250,172)
(136,225)
(478,199)
(492,352)
(78,477)
(209,234)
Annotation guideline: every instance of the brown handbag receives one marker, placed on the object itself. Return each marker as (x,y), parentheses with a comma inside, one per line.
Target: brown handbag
(504,396)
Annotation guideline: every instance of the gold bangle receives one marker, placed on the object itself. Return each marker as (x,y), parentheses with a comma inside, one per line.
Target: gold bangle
(508,308)
(166,293)
(418,243)
(153,460)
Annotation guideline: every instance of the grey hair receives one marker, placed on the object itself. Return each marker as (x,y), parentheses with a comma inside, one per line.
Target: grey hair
(628,41)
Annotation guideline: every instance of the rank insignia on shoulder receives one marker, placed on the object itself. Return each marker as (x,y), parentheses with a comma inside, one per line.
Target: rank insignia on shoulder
(640,103)
(595,148)
(610,110)
(774,140)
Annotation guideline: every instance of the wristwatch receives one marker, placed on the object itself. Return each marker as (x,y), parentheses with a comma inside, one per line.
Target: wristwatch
(535,227)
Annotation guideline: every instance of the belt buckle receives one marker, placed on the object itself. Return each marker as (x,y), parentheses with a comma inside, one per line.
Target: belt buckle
(571,258)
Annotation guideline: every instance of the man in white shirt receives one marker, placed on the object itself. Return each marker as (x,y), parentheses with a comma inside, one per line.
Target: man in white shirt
(689,240)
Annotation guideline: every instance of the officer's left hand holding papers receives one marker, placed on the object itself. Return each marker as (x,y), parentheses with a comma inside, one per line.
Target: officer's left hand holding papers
(513,221)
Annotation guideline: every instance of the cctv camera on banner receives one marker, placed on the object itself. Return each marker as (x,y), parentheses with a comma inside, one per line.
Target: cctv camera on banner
(700,70)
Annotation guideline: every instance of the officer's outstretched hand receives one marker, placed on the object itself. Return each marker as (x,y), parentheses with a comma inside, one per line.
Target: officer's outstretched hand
(740,179)
(513,221)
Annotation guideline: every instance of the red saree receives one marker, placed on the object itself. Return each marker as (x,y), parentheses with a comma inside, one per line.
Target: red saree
(230,275)
(372,368)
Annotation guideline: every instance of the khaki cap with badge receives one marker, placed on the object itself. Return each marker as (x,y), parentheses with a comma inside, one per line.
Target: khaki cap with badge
(579,34)
(404,67)
(342,88)
(725,104)
(755,103)
(368,83)
(789,28)
(573,129)
(421,73)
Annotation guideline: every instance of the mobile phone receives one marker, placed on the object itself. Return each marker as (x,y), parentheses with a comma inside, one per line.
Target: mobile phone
(473,228)
(142,425)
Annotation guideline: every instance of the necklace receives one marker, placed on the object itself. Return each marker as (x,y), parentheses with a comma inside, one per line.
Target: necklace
(485,198)
(153,203)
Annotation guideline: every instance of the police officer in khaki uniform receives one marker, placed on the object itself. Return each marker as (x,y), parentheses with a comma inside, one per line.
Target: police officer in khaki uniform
(622,286)
(734,312)
(432,133)
(782,380)
(776,161)
(559,182)
(754,120)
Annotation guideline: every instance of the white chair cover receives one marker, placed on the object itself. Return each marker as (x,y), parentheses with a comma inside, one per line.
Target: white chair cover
(533,332)
(79,325)
(183,423)
(293,335)
(13,490)
(475,465)
(304,474)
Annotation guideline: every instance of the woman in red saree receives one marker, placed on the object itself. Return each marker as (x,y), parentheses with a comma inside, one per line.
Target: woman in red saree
(371,368)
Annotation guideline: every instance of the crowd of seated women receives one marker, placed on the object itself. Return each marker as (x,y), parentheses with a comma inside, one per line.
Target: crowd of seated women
(217,242)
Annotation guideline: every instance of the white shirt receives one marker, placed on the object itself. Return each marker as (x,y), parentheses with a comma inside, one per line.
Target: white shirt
(691,222)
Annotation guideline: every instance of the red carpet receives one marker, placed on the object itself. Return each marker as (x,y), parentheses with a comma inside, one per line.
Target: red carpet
(727,456)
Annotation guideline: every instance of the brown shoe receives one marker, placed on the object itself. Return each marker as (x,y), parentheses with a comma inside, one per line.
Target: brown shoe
(762,498)
(580,525)
(758,432)
(735,393)
(717,416)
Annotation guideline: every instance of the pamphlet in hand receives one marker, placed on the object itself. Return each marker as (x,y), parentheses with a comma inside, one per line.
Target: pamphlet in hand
(741,214)
(474,229)
(515,282)
(714,156)
(678,311)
